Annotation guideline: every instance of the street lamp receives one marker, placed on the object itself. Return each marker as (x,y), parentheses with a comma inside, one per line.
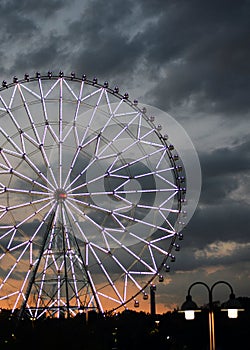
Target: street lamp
(232,306)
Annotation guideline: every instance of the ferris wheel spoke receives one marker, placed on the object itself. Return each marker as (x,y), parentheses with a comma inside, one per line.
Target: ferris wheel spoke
(72,259)
(53,133)
(112,109)
(27,218)
(136,161)
(48,165)
(152,257)
(79,148)
(32,92)
(107,245)
(115,137)
(101,90)
(69,89)
(161,212)
(89,205)
(156,172)
(26,159)
(166,181)
(139,129)
(79,175)
(150,244)
(98,226)
(7,164)
(118,176)
(111,113)
(8,110)
(73,127)
(85,184)
(27,179)
(171,196)
(76,113)
(106,274)
(122,199)
(88,96)
(13,266)
(123,114)
(7,248)
(12,97)
(71,168)
(125,286)
(87,217)
(57,82)
(75,220)
(5,151)
(94,290)
(41,225)
(42,282)
(45,115)
(38,171)
(26,137)
(120,224)
(153,190)
(28,192)
(60,131)
(9,139)
(7,296)
(127,273)
(156,227)
(26,204)
(26,107)
(150,143)
(130,252)
(108,297)
(20,291)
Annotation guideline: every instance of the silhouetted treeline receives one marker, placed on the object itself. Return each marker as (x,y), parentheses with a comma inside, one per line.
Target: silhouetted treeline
(128,330)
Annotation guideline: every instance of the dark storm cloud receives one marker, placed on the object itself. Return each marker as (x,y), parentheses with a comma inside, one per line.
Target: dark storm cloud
(18,17)
(191,51)
(95,44)
(232,159)
(42,57)
(23,45)
(27,7)
(221,215)
(217,189)
(204,49)
(206,257)
(223,170)
(14,26)
(210,231)
(104,47)
(111,60)
(228,222)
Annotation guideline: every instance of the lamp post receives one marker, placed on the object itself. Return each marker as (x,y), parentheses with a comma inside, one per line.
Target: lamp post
(152,299)
(232,306)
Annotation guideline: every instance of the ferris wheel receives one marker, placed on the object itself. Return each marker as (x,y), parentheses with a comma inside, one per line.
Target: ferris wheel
(91,197)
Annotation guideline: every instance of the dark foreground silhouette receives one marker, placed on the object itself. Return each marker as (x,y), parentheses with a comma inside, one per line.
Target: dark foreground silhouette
(128,330)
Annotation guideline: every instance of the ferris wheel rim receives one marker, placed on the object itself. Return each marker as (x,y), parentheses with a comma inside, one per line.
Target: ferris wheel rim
(133,105)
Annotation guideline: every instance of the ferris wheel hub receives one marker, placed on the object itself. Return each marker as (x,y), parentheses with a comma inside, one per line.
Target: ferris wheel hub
(60,195)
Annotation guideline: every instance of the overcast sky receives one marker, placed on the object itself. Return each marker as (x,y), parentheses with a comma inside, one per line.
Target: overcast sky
(188,58)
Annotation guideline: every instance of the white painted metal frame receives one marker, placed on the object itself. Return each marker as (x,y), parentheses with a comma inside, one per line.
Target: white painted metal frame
(89,159)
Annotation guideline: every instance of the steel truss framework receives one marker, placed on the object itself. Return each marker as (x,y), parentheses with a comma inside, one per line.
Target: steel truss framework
(91,197)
